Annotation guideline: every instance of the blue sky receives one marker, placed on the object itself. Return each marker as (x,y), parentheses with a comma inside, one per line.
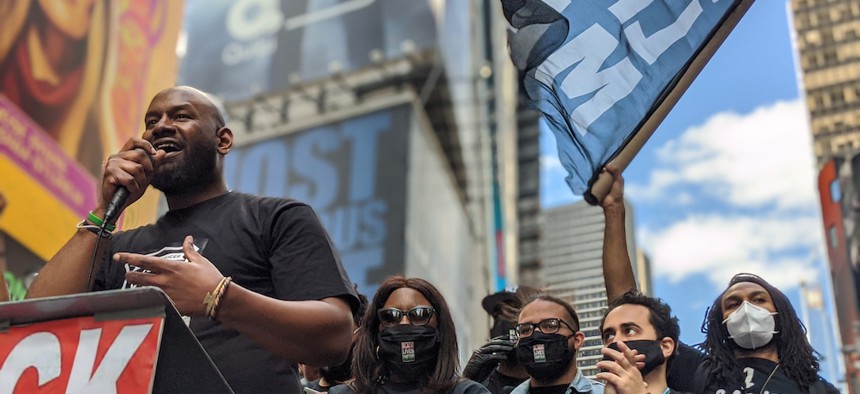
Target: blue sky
(727,183)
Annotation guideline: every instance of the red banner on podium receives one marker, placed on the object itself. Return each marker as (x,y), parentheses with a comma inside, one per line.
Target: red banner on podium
(80,355)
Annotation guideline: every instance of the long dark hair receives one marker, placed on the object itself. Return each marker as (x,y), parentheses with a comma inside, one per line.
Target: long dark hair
(796,355)
(369,372)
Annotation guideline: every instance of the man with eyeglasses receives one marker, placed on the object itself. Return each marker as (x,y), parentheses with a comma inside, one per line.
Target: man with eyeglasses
(549,338)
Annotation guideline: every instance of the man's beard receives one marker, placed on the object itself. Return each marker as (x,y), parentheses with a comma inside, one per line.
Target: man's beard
(188,174)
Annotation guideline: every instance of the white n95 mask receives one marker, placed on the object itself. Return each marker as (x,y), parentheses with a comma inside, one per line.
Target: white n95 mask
(751,326)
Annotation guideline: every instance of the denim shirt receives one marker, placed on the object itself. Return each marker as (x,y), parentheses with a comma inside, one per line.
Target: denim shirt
(580,384)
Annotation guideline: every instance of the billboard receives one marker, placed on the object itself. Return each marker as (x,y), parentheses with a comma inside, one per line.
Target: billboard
(75,78)
(352,172)
(236,49)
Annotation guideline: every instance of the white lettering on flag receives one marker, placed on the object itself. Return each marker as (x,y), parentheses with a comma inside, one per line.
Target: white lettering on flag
(652,47)
(598,70)
(588,51)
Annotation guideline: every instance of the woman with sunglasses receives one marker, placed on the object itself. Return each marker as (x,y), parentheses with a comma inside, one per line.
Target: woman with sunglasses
(408,344)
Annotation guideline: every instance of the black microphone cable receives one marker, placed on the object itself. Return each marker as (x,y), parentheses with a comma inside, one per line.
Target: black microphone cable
(102,232)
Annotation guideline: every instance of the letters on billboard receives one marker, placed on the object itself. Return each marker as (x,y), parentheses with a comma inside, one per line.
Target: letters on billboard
(239,48)
(352,173)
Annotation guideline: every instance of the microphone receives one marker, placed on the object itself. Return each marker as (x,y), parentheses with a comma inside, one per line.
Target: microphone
(119,198)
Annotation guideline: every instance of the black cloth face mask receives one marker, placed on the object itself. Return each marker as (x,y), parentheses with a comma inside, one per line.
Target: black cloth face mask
(409,350)
(545,356)
(651,349)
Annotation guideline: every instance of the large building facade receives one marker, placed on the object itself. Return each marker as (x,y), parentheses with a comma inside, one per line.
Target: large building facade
(572,267)
(828,45)
(394,119)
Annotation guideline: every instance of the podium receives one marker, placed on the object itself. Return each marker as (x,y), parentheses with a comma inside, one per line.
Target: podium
(126,341)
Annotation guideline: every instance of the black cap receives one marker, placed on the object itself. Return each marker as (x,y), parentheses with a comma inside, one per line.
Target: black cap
(491,302)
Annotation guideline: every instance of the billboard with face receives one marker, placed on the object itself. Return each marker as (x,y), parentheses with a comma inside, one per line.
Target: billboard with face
(75,78)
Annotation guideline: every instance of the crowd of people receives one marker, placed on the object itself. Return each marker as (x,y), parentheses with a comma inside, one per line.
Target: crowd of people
(265,291)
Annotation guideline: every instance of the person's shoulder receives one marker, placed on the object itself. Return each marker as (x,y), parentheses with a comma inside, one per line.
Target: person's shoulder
(253,199)
(597,387)
(273,208)
(523,388)
(469,386)
(823,386)
(341,389)
(583,384)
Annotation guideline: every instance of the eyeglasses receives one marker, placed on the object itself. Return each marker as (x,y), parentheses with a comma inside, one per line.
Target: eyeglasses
(546,326)
(418,316)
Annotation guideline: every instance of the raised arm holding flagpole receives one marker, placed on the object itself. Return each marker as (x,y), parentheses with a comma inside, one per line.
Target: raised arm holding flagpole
(606,74)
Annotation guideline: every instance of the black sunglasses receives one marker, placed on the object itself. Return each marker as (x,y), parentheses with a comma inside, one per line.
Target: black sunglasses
(418,316)
(546,326)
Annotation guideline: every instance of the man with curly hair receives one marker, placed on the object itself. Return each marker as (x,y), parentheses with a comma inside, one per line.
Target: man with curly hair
(754,343)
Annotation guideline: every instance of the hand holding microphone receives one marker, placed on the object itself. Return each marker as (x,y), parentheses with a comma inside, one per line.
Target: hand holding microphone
(126,177)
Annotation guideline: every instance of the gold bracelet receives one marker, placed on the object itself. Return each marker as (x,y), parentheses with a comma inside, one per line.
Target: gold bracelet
(211,300)
(218,298)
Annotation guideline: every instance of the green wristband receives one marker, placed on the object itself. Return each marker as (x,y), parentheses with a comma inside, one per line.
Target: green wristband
(98,222)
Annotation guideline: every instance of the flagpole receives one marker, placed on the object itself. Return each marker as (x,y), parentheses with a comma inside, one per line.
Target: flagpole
(600,188)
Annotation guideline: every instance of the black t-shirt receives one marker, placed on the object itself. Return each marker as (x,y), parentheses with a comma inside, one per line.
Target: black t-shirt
(465,386)
(498,383)
(683,368)
(686,374)
(761,376)
(274,247)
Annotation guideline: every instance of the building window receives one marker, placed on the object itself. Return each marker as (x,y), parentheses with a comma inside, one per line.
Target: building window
(831,236)
(837,97)
(835,191)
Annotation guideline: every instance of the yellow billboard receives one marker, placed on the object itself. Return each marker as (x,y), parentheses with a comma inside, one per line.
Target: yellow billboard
(75,79)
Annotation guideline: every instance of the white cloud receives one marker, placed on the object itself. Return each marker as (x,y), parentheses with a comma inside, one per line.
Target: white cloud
(551,163)
(774,247)
(759,159)
(759,162)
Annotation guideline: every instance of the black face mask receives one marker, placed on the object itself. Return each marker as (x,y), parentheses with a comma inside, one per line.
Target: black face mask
(651,349)
(545,356)
(409,350)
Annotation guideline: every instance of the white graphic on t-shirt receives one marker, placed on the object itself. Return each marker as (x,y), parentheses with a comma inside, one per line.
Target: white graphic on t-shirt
(749,373)
(172,253)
